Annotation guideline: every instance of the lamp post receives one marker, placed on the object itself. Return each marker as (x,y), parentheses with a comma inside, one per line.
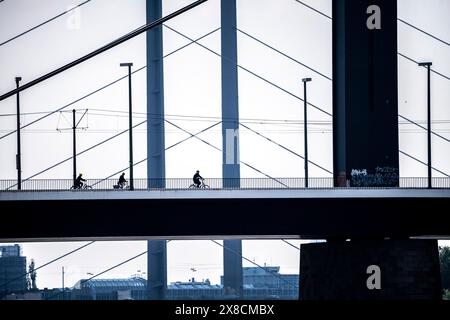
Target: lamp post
(428,66)
(305,81)
(74,129)
(129,65)
(18,156)
(63,288)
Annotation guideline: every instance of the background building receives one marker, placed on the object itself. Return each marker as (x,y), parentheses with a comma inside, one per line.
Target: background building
(12,269)
(259,283)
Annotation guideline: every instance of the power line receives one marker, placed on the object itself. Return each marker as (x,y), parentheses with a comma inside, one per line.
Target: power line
(50,262)
(254,263)
(78,154)
(45,22)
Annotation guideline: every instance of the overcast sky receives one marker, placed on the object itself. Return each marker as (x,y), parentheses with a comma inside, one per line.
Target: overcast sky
(193,101)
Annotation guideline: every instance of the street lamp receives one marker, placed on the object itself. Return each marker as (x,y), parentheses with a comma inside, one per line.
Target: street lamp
(18,156)
(428,66)
(305,81)
(129,65)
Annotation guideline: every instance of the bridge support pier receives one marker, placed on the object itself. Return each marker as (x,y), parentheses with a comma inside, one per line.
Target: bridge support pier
(365,95)
(156,171)
(370,270)
(232,252)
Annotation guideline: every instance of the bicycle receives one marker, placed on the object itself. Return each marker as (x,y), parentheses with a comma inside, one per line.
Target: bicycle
(123,186)
(83,186)
(203,185)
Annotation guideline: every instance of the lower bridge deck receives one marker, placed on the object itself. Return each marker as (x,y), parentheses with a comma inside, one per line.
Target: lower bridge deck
(197,214)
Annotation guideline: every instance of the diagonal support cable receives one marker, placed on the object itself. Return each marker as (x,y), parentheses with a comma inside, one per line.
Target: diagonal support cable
(218,149)
(168,148)
(104,87)
(423,31)
(250,72)
(254,263)
(285,148)
(284,54)
(424,128)
(48,263)
(45,22)
(78,154)
(104,48)
(425,164)
(416,62)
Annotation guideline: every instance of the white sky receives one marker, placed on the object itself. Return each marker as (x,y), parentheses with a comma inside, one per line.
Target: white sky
(192,88)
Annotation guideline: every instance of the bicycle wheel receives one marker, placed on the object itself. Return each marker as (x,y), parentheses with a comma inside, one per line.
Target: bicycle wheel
(192,186)
(205,186)
(88,187)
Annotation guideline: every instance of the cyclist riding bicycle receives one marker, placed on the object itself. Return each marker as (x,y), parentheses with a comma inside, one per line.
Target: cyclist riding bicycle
(79,181)
(197,179)
(122,182)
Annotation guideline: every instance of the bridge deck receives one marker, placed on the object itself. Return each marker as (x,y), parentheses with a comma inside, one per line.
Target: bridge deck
(308,214)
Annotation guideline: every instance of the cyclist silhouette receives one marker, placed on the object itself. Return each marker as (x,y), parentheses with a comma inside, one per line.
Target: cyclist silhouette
(79,181)
(122,182)
(197,179)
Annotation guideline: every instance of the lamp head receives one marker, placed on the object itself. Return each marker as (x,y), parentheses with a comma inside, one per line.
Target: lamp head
(126,64)
(306,79)
(425,64)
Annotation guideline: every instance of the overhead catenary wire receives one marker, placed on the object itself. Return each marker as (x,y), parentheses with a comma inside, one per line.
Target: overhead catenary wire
(79,153)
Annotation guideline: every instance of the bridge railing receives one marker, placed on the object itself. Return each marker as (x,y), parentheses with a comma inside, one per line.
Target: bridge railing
(213,183)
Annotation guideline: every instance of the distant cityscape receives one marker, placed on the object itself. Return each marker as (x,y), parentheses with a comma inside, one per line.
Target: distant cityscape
(16,283)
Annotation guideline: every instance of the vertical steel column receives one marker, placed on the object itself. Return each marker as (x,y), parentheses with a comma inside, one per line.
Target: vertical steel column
(156,171)
(18,156)
(233,278)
